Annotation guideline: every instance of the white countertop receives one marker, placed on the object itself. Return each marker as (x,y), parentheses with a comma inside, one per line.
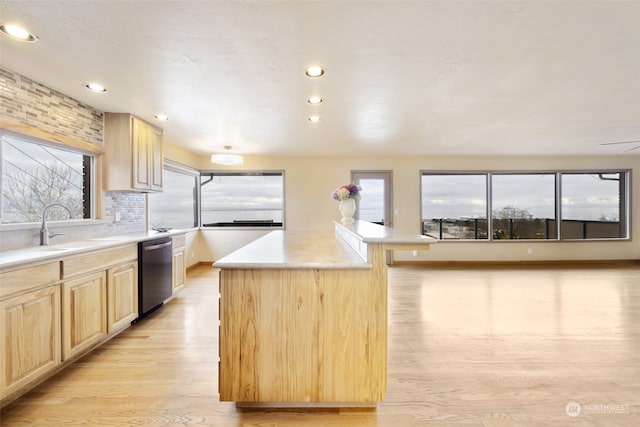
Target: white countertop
(18,257)
(294,249)
(302,249)
(368,232)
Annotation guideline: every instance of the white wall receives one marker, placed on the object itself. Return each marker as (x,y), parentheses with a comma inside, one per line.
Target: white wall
(309,182)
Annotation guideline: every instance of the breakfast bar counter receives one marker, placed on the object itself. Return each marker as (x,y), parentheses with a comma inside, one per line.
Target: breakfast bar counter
(303,317)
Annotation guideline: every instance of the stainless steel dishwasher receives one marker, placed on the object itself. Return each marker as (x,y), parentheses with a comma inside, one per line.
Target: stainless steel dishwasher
(155,274)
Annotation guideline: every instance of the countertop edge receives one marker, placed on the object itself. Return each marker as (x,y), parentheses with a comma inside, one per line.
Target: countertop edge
(359,230)
(291,266)
(42,254)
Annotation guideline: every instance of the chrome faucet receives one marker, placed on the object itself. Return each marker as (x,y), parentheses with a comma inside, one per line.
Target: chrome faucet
(44,231)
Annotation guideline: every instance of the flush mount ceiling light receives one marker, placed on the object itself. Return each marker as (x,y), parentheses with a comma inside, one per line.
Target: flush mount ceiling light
(161,117)
(18,33)
(95,87)
(227,158)
(314,119)
(314,71)
(314,100)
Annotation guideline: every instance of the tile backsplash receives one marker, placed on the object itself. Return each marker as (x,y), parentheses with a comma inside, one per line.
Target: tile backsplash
(34,104)
(31,103)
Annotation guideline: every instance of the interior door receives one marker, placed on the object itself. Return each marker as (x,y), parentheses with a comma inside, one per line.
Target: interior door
(376,198)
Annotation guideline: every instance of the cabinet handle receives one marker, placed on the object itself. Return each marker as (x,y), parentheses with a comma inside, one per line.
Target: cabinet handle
(154,247)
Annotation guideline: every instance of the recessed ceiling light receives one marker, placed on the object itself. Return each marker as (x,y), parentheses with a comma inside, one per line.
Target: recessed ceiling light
(314,100)
(95,87)
(314,71)
(18,33)
(161,117)
(314,119)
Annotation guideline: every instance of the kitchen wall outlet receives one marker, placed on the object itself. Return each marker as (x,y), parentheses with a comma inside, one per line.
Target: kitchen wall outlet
(396,211)
(530,251)
(415,253)
(117,218)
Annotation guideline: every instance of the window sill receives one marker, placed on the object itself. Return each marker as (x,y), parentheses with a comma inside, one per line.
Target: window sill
(244,224)
(37,225)
(242,227)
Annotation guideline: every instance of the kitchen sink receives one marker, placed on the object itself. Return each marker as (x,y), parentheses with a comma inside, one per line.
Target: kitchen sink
(112,238)
(55,248)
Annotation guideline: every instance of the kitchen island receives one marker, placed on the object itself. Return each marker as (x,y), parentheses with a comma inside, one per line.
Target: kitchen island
(303,317)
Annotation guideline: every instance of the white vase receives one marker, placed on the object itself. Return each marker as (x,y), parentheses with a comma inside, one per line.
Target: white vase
(347,209)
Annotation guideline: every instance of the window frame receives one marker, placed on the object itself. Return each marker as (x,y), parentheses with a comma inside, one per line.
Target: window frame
(490,199)
(625,202)
(95,190)
(487,185)
(176,167)
(248,224)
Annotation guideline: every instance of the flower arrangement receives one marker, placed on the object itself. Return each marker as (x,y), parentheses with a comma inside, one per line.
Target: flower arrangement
(350,191)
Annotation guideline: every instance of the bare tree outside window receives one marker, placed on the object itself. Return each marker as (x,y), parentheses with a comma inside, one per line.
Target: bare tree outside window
(35,174)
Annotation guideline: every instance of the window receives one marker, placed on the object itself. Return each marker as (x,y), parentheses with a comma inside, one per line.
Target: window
(523,206)
(454,206)
(176,206)
(242,199)
(593,205)
(36,173)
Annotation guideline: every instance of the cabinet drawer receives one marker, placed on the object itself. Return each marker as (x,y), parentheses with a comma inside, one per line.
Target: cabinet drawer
(98,260)
(179,241)
(30,277)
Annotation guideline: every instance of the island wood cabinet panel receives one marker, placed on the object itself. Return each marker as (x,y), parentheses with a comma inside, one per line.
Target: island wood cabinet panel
(84,313)
(122,296)
(31,343)
(179,263)
(303,335)
(133,154)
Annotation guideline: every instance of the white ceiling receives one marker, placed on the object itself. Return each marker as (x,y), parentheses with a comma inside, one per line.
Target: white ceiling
(411,78)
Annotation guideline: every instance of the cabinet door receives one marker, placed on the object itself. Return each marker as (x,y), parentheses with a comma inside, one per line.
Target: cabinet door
(155,145)
(122,296)
(30,344)
(140,140)
(84,313)
(179,271)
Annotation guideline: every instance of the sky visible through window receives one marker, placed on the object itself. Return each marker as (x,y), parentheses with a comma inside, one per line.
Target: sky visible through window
(226,198)
(585,196)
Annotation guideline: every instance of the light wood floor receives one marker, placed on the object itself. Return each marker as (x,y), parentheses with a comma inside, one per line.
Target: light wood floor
(468,347)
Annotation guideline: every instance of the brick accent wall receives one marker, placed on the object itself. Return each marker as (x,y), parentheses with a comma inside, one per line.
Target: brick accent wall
(32,103)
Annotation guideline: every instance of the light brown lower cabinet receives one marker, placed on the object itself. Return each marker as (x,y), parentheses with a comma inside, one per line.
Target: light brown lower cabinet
(84,313)
(179,263)
(122,296)
(53,313)
(30,345)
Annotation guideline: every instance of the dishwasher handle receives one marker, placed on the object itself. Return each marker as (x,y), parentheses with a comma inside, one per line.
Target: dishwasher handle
(160,246)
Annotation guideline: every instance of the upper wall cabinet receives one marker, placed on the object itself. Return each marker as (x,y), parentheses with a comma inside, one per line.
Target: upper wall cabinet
(133,154)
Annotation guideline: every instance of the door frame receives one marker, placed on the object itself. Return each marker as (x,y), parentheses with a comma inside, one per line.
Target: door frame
(387,176)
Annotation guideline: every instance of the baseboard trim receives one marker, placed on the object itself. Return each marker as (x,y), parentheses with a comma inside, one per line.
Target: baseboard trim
(198,264)
(598,263)
(306,405)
